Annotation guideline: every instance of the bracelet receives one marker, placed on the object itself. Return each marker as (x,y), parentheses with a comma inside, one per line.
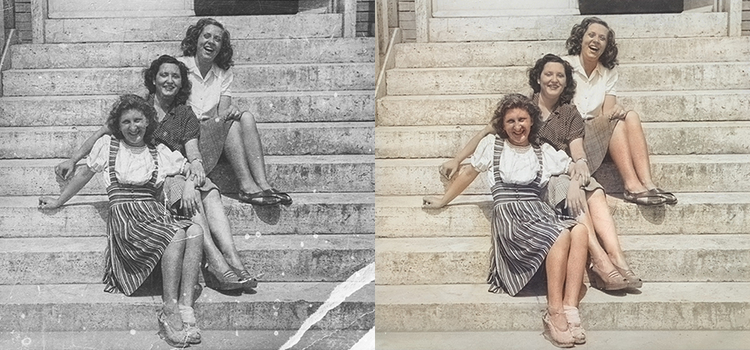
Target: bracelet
(197,160)
(583,159)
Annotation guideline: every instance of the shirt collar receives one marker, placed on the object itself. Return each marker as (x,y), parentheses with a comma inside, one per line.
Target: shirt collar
(575,62)
(193,68)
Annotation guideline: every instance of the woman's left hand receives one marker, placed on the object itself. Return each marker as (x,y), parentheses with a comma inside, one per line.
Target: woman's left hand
(197,173)
(576,200)
(190,201)
(232,113)
(580,171)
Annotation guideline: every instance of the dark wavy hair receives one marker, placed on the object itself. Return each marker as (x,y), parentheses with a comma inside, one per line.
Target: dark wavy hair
(224,58)
(513,101)
(149,75)
(574,42)
(535,74)
(132,102)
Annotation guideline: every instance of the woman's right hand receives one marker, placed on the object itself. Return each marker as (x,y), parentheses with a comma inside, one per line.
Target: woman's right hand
(432,202)
(48,203)
(449,169)
(65,169)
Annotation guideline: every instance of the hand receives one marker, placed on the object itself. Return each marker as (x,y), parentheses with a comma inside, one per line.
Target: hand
(190,201)
(232,113)
(65,169)
(576,200)
(432,202)
(197,173)
(449,169)
(48,203)
(580,171)
(617,112)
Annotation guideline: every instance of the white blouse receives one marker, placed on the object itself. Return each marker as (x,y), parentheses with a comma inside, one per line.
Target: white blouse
(206,92)
(591,90)
(134,165)
(518,164)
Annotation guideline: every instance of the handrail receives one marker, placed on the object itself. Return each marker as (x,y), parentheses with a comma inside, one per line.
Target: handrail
(6,57)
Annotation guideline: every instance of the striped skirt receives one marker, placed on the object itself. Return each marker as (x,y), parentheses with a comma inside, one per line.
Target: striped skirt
(596,140)
(523,231)
(138,231)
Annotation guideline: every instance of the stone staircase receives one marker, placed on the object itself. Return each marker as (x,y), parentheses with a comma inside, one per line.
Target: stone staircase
(312,93)
(690,83)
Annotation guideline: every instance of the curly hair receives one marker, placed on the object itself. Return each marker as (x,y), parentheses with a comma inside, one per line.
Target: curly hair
(149,75)
(188,46)
(127,103)
(516,101)
(535,73)
(574,42)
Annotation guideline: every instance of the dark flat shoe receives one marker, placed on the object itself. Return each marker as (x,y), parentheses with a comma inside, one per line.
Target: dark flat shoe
(644,198)
(283,197)
(668,196)
(259,198)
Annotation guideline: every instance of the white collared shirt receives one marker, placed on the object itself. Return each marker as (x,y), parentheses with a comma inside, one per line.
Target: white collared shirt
(591,90)
(206,92)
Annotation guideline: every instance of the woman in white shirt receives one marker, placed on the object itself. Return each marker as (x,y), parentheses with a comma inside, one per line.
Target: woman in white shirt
(526,231)
(609,127)
(224,128)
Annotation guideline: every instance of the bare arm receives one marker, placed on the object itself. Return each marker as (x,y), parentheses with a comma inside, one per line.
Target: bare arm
(80,179)
(450,168)
(611,109)
(196,161)
(580,168)
(460,183)
(227,110)
(66,168)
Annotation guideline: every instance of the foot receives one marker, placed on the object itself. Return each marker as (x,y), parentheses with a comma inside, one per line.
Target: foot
(284,198)
(574,323)
(668,196)
(556,329)
(259,198)
(606,277)
(643,198)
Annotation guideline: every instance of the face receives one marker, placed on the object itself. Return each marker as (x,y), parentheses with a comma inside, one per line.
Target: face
(552,80)
(594,42)
(517,124)
(209,43)
(168,80)
(133,127)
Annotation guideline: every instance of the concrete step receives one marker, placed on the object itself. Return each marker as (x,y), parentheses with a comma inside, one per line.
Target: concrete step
(695,213)
(122,54)
(655,258)
(525,53)
(633,77)
(143,29)
(336,173)
(148,339)
(659,306)
(273,107)
(247,78)
(277,139)
(678,173)
(86,307)
(522,340)
(310,214)
(517,28)
(280,258)
(663,138)
(653,106)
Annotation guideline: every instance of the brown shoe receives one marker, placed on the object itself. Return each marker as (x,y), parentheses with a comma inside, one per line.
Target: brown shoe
(611,280)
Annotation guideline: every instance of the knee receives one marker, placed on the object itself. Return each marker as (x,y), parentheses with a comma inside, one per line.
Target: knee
(579,233)
(633,117)
(247,118)
(194,232)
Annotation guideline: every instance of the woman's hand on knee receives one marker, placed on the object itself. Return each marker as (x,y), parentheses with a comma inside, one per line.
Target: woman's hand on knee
(617,112)
(232,113)
(576,201)
(190,201)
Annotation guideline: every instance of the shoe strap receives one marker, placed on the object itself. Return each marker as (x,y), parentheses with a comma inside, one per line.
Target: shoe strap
(187,313)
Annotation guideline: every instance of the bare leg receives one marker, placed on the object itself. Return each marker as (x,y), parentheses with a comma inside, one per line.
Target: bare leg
(576,264)
(556,266)
(191,264)
(221,231)
(619,149)
(604,225)
(235,153)
(253,149)
(171,270)
(213,255)
(639,149)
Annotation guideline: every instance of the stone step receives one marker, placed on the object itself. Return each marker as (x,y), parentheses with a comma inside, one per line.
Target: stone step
(659,306)
(122,54)
(280,107)
(655,258)
(86,307)
(653,106)
(663,138)
(144,29)
(247,78)
(467,215)
(280,258)
(309,214)
(598,339)
(518,28)
(336,173)
(277,139)
(678,173)
(633,77)
(525,53)
(148,339)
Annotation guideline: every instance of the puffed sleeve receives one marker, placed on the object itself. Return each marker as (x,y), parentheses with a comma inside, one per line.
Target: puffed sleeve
(170,162)
(555,162)
(482,158)
(99,156)
(612,76)
(226,82)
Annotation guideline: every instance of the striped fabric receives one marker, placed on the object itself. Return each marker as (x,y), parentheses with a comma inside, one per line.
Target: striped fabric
(596,140)
(138,230)
(174,187)
(557,191)
(523,229)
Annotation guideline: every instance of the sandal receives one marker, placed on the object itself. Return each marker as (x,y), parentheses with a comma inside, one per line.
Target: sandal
(669,197)
(259,198)
(633,280)
(644,198)
(574,324)
(558,338)
(189,325)
(220,281)
(284,198)
(173,337)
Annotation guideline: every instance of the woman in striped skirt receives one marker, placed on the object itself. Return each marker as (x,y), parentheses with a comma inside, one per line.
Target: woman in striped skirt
(526,231)
(140,230)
